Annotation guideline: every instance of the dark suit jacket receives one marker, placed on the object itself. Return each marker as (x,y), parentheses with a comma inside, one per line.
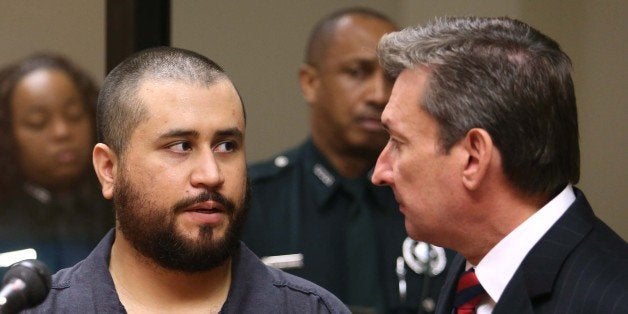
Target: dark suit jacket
(579,266)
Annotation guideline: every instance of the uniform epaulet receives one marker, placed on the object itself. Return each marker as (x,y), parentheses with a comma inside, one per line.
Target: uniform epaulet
(273,166)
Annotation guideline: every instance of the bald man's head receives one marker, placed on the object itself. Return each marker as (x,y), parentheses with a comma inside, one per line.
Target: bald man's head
(323,31)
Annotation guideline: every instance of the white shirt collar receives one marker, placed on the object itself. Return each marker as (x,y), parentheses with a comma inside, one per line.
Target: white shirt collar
(498,266)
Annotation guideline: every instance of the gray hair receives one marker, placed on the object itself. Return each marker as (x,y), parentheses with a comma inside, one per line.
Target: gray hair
(501,75)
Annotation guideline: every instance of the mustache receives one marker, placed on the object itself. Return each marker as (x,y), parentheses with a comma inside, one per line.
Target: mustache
(204,197)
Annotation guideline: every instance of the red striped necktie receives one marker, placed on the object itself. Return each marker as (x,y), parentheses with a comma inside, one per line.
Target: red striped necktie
(469,293)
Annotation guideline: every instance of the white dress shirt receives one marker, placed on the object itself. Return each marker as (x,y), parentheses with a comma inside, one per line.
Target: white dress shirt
(499,265)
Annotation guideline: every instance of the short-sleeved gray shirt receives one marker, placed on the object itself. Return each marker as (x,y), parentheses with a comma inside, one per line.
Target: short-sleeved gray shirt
(88,287)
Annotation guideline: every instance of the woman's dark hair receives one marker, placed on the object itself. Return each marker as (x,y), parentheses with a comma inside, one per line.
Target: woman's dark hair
(10,172)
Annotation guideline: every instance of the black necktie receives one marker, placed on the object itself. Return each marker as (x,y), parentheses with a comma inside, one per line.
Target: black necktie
(364,290)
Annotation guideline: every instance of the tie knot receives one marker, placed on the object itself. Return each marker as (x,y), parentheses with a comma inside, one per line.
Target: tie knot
(467,280)
(469,292)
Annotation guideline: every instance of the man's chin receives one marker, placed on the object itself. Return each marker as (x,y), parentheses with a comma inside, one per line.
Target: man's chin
(202,236)
(192,252)
(203,231)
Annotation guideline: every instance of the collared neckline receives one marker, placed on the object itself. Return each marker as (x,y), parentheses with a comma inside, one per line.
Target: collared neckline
(326,181)
(319,175)
(497,268)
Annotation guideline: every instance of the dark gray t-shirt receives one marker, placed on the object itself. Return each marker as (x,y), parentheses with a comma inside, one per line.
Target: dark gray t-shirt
(88,287)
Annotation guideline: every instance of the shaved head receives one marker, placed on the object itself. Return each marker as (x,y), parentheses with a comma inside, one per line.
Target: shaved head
(324,30)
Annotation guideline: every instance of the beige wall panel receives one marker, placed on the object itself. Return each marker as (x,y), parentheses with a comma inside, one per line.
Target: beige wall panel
(594,35)
(75,28)
(413,12)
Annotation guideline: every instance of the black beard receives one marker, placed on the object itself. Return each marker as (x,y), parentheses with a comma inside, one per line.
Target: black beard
(152,231)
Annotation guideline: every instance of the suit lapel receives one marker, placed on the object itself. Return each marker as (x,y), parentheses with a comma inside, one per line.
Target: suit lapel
(447,292)
(537,274)
(515,298)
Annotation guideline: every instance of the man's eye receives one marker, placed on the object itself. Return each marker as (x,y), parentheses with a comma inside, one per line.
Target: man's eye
(357,72)
(394,144)
(360,71)
(180,147)
(225,147)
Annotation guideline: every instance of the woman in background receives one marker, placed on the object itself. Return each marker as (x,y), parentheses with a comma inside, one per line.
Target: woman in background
(49,197)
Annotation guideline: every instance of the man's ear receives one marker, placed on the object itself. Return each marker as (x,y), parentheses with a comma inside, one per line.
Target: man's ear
(106,164)
(478,145)
(309,82)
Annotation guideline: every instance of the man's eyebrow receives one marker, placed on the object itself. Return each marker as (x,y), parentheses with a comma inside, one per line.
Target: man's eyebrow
(229,132)
(179,133)
(364,61)
(233,132)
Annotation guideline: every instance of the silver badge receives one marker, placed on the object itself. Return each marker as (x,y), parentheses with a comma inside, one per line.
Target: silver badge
(324,175)
(281,161)
(421,256)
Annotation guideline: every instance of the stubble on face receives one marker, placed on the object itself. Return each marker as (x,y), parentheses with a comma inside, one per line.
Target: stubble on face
(152,231)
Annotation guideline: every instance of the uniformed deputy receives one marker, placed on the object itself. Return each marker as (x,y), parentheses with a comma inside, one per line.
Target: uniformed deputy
(314,212)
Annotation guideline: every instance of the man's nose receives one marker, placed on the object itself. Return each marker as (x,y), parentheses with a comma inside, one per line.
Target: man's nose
(206,172)
(382,174)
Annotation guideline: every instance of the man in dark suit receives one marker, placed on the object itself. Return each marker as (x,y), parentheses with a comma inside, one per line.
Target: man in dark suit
(482,158)
(314,211)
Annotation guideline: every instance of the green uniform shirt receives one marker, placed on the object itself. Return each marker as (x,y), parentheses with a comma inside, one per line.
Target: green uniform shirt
(300,205)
